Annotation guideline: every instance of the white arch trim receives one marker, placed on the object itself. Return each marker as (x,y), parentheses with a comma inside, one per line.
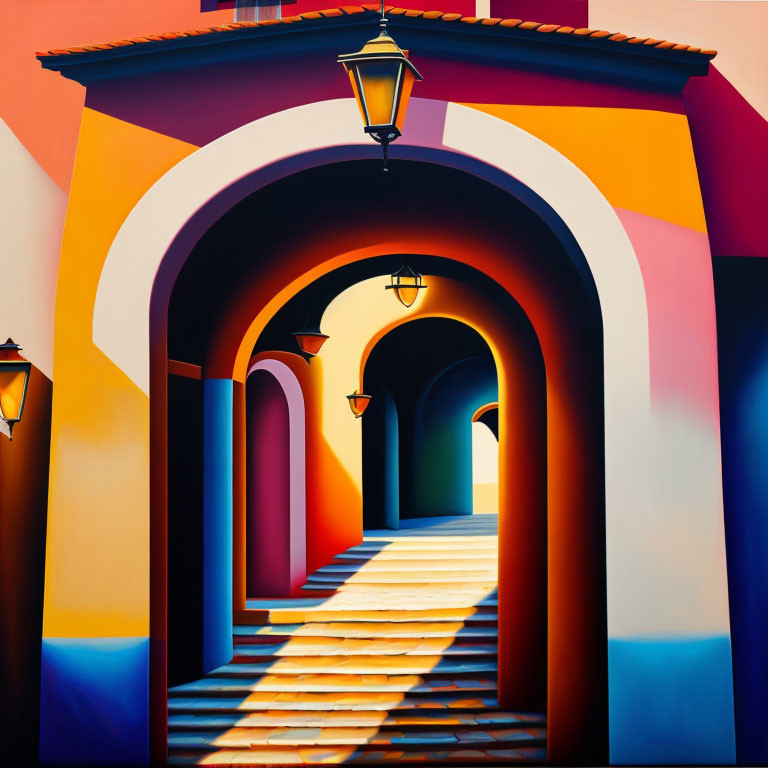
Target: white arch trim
(286,378)
(121,312)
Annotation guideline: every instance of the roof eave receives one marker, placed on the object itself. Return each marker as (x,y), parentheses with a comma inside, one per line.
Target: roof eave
(579,56)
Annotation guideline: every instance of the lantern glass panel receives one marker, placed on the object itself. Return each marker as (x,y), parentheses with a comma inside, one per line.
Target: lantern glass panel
(406,295)
(358,404)
(379,84)
(405,95)
(13,380)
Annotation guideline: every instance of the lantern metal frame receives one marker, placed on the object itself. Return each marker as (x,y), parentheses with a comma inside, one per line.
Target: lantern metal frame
(381,48)
(11,360)
(310,329)
(358,396)
(405,271)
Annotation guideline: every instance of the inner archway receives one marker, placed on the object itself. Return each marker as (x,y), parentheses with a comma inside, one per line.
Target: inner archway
(198,335)
(427,377)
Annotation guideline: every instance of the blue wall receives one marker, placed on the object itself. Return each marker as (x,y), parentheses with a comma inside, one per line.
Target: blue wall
(381,462)
(94,701)
(671,701)
(741,291)
(217,522)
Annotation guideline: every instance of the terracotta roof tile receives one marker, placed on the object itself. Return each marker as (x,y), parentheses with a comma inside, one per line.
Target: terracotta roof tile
(349,10)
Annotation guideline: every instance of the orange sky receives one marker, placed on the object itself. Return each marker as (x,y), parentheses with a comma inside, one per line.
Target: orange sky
(41,107)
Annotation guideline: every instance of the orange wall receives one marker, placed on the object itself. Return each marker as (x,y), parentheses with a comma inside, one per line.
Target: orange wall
(41,107)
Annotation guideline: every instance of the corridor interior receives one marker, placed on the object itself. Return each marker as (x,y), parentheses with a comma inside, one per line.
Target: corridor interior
(389,655)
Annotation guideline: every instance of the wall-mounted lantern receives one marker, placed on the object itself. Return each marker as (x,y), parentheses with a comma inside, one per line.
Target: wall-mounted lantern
(14,379)
(382,78)
(406,283)
(358,403)
(310,338)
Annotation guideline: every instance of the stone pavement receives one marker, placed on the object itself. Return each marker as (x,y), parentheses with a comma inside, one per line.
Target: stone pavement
(389,657)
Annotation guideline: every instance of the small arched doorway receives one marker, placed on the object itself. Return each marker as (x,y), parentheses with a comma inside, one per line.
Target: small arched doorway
(275,531)
(485,459)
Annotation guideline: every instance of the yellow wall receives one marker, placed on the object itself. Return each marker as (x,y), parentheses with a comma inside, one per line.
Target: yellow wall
(97,559)
(640,160)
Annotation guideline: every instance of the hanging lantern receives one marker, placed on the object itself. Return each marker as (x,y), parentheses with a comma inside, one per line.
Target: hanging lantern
(382,78)
(358,403)
(310,339)
(406,283)
(14,379)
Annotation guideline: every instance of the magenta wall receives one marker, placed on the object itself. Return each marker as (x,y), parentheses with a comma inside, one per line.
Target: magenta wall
(267,487)
(732,160)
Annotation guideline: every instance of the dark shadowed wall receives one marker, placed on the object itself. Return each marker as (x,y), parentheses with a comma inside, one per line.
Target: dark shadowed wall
(23,510)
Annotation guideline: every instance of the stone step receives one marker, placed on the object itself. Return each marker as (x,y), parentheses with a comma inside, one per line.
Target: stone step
(362,700)
(480,557)
(363,630)
(351,719)
(362,735)
(373,664)
(328,683)
(406,578)
(330,646)
(388,655)
(481,593)
(444,547)
(329,612)
(351,755)
(415,565)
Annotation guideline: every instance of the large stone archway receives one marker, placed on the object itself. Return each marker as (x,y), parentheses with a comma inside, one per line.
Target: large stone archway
(150,248)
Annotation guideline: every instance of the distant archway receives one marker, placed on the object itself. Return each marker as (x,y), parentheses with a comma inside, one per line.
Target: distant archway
(485,459)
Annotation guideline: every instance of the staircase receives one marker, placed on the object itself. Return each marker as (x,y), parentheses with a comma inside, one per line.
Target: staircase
(389,656)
